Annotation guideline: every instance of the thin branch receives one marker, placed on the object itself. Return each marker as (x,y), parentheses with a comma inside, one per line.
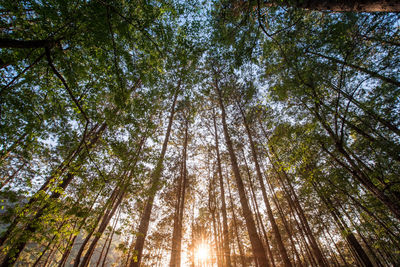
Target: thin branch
(19,75)
(65,84)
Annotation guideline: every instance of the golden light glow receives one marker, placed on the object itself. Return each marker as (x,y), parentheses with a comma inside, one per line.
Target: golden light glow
(203,252)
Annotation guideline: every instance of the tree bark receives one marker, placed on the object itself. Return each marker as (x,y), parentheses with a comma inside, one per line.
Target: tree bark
(275,229)
(341,5)
(104,213)
(256,244)
(155,179)
(258,216)
(241,253)
(11,43)
(178,218)
(357,249)
(225,231)
(111,238)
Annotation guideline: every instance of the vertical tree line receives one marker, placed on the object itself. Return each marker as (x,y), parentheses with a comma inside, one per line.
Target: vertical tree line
(231,133)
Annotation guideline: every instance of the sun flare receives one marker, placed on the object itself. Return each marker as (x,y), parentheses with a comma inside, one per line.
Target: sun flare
(202,252)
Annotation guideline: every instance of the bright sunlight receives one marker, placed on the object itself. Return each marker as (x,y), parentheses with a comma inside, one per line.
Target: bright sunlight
(203,253)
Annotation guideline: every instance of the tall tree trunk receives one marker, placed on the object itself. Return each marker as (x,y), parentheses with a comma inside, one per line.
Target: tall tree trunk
(225,231)
(212,209)
(155,180)
(178,218)
(294,201)
(339,250)
(341,5)
(111,238)
(48,245)
(120,196)
(258,216)
(73,236)
(241,253)
(32,226)
(355,246)
(104,213)
(256,244)
(275,229)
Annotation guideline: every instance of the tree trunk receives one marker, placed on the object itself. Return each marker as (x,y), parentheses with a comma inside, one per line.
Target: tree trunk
(275,229)
(105,211)
(93,135)
(111,238)
(258,216)
(120,196)
(242,258)
(225,231)
(341,5)
(355,246)
(256,244)
(178,219)
(155,179)
(294,202)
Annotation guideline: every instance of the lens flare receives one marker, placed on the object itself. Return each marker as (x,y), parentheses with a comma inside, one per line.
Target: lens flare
(202,252)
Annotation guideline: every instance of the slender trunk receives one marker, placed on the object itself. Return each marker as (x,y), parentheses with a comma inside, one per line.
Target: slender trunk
(339,250)
(104,212)
(184,186)
(225,231)
(242,258)
(341,5)
(370,250)
(275,229)
(285,222)
(93,135)
(178,219)
(104,247)
(294,202)
(355,246)
(49,256)
(256,244)
(73,236)
(105,221)
(332,253)
(155,180)
(67,251)
(111,238)
(6,181)
(174,249)
(212,208)
(258,216)
(47,247)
